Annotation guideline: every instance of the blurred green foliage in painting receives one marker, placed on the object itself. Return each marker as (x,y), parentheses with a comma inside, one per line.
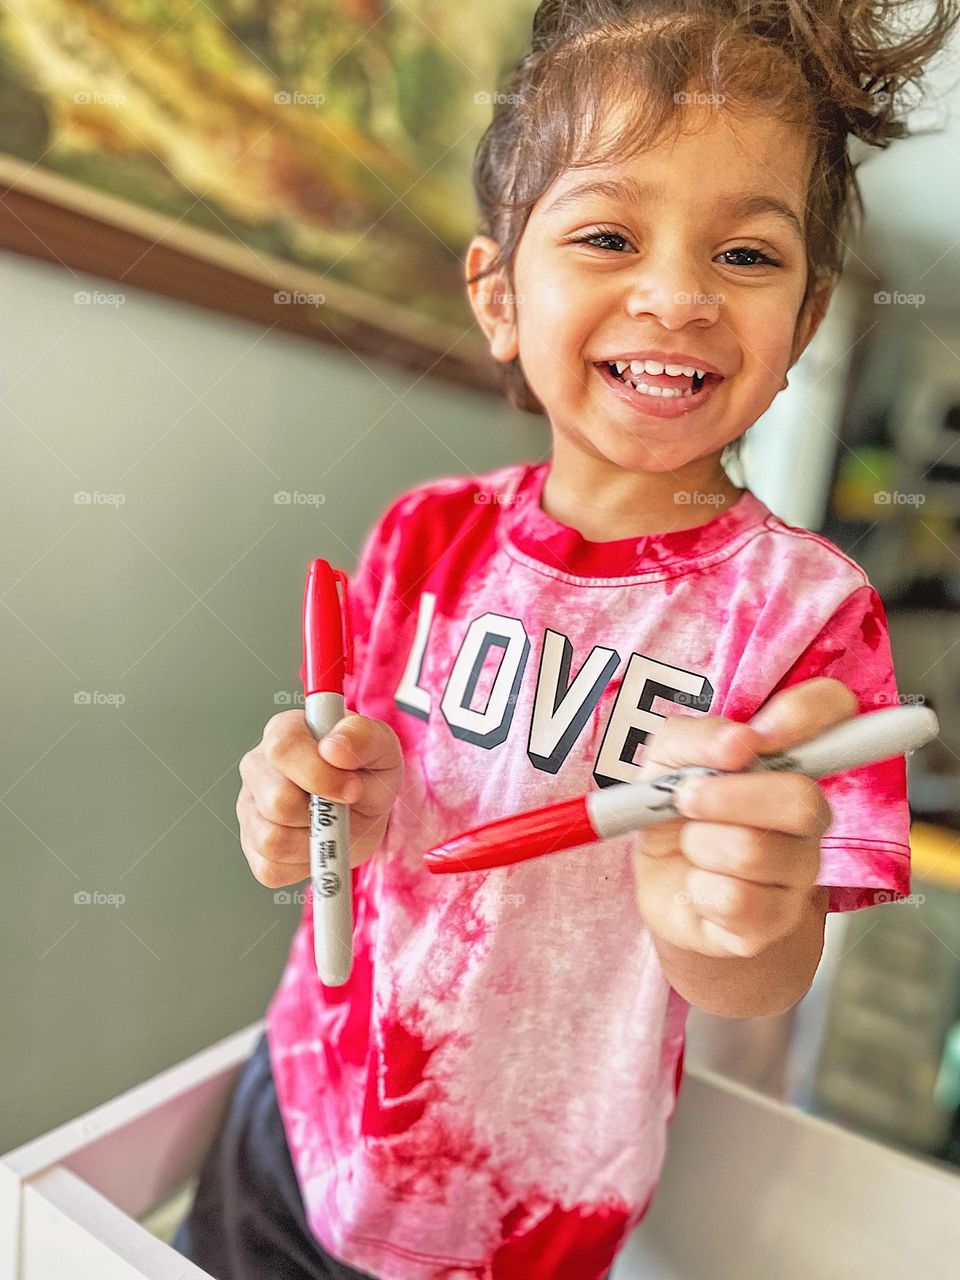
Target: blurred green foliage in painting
(337,134)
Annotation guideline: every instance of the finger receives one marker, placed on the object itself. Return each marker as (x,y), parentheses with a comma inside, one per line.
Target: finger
(273,875)
(801,712)
(373,750)
(791,716)
(786,802)
(268,840)
(290,749)
(283,802)
(744,853)
(359,742)
(713,741)
(276,798)
(663,840)
(752,915)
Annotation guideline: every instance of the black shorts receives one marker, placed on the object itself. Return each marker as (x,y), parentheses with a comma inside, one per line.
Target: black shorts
(247,1221)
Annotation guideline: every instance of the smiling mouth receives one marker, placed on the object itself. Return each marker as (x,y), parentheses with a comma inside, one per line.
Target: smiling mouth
(645,393)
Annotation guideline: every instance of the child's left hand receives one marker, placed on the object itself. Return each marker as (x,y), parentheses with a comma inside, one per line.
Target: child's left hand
(740,876)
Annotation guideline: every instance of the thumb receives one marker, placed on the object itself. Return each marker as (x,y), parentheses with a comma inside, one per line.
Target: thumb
(713,742)
(360,742)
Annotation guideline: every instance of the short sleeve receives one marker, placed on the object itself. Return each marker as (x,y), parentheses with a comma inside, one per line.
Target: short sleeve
(865,852)
(365,585)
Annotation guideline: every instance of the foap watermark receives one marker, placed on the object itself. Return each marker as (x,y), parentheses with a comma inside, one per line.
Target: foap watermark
(93,98)
(699,498)
(701,299)
(485,496)
(97,298)
(288,698)
(86,498)
(297,98)
(500,299)
(487,99)
(296,298)
(294,498)
(909,899)
(83,698)
(885,298)
(699,99)
(686,899)
(895,498)
(509,899)
(899,699)
(96,898)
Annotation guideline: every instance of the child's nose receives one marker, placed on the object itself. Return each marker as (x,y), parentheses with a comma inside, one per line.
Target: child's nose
(673,287)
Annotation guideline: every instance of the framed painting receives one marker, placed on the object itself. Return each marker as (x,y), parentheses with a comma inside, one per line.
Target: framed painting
(304,164)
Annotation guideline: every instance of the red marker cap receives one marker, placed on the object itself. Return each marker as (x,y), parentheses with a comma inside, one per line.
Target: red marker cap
(514,839)
(327,632)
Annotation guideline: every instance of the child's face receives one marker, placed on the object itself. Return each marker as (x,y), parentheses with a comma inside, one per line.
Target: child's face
(662,277)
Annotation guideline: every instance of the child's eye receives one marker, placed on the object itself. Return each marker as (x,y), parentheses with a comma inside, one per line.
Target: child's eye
(763,259)
(600,235)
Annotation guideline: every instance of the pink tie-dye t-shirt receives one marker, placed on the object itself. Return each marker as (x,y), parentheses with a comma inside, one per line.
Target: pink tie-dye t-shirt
(487,1097)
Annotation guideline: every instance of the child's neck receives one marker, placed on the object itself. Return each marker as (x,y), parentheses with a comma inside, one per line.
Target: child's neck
(604,503)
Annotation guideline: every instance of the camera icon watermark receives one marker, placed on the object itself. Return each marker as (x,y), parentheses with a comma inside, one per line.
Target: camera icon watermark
(288,698)
(288,897)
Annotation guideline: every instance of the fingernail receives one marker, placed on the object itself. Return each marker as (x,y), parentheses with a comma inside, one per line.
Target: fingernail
(734,733)
(763,723)
(687,795)
(352,791)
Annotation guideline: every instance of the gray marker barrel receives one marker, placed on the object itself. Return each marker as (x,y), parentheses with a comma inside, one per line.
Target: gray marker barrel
(877,735)
(330,860)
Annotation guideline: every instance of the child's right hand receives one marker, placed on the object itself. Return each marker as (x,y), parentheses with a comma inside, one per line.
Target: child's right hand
(359,762)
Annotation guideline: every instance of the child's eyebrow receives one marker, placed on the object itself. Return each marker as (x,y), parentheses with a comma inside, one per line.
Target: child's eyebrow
(629,190)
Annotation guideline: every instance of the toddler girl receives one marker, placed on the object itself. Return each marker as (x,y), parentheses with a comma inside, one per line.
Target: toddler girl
(665,194)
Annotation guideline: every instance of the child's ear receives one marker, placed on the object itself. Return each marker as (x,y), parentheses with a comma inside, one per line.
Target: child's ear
(492,299)
(809,319)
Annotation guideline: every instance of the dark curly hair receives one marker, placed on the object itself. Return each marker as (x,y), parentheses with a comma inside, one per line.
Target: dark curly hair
(832,67)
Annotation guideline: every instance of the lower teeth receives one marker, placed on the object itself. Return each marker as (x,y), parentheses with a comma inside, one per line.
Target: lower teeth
(666,392)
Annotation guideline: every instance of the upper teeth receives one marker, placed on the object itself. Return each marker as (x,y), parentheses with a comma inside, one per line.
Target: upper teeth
(655,367)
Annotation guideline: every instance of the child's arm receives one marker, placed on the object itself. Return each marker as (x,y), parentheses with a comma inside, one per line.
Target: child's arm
(731,899)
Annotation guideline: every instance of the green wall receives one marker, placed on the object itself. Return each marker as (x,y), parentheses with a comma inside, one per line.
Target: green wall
(184,600)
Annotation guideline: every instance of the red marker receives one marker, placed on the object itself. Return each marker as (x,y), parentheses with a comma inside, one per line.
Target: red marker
(327,655)
(631,806)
